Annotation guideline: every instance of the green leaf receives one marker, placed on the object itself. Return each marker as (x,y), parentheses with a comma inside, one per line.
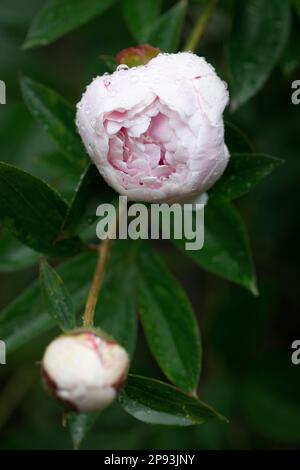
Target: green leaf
(260,31)
(109,61)
(116,309)
(244,171)
(296,4)
(165,32)
(34,212)
(155,402)
(58,17)
(80,424)
(226,250)
(169,322)
(236,140)
(140,15)
(91,191)
(57,117)
(56,297)
(26,317)
(15,256)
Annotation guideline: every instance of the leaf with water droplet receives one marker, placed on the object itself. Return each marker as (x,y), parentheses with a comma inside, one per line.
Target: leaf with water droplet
(169,322)
(156,402)
(56,297)
(34,213)
(58,118)
(243,172)
(226,251)
(91,191)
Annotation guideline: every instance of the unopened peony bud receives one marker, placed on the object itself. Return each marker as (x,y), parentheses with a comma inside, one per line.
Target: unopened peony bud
(155,132)
(84,371)
(139,55)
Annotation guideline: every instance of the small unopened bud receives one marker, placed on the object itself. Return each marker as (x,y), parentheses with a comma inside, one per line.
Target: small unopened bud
(84,370)
(138,55)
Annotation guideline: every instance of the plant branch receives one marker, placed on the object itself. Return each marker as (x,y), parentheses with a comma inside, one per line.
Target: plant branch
(200,26)
(103,250)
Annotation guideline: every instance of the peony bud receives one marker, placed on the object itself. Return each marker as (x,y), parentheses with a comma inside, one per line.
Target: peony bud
(139,55)
(84,370)
(156,132)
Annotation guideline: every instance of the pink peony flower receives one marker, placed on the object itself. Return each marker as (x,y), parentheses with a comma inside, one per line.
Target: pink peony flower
(155,132)
(84,371)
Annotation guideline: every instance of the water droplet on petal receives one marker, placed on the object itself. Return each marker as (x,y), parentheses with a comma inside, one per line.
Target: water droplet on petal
(122,67)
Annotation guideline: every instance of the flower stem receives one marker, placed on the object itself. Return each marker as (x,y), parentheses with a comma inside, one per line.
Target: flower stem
(200,26)
(104,250)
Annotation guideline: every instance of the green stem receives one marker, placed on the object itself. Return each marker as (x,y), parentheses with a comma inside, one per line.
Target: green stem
(104,249)
(200,26)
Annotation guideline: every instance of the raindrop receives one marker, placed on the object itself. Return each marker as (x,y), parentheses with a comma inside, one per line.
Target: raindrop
(122,67)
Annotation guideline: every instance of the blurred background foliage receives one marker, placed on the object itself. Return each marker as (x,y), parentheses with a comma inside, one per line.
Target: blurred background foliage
(247,370)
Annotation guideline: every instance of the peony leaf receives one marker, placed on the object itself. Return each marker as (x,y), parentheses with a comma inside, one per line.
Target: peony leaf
(140,15)
(91,191)
(109,61)
(164,33)
(236,140)
(116,308)
(169,322)
(26,317)
(80,424)
(14,255)
(260,31)
(156,402)
(57,117)
(56,297)
(34,213)
(226,250)
(59,17)
(296,4)
(244,171)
